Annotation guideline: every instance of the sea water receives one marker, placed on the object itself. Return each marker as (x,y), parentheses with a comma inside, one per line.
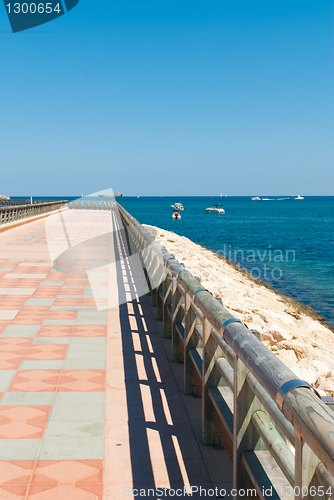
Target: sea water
(287,243)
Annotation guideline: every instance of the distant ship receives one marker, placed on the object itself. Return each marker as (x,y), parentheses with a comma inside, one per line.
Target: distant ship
(117,195)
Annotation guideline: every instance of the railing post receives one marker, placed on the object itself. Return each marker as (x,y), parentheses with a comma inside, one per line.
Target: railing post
(245,437)
(159,302)
(190,342)
(167,302)
(306,463)
(176,318)
(209,379)
(154,267)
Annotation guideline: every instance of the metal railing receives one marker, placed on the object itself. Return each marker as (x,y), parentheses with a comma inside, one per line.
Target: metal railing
(12,213)
(277,430)
(91,205)
(27,201)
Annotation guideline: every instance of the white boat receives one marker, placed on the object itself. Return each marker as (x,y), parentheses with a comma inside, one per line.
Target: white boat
(177,206)
(176,215)
(256,198)
(215,209)
(299,197)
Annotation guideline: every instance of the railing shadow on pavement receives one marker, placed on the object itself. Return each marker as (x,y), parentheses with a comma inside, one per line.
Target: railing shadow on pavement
(164,451)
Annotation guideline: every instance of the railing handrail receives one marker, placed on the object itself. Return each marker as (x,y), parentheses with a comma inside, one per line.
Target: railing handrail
(313,422)
(13,213)
(30,205)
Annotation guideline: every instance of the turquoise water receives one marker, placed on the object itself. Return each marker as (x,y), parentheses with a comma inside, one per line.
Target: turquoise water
(288,243)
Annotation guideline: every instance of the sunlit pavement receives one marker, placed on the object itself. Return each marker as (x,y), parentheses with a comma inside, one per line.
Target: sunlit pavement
(90,405)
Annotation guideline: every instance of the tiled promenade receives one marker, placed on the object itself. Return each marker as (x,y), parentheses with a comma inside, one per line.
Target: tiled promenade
(90,406)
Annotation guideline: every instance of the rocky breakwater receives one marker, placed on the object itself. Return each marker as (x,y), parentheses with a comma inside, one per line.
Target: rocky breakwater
(292,331)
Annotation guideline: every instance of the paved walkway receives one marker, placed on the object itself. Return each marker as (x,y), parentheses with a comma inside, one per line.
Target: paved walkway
(90,405)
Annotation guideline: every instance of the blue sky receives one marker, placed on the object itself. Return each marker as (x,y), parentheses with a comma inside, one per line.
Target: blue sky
(170,98)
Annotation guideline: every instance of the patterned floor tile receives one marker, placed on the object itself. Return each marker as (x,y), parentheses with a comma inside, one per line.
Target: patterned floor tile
(55,331)
(14,479)
(12,302)
(10,361)
(12,292)
(67,302)
(14,345)
(27,276)
(28,283)
(71,291)
(90,331)
(46,292)
(67,479)
(61,315)
(48,352)
(27,320)
(34,310)
(35,381)
(57,276)
(98,302)
(23,422)
(76,283)
(82,381)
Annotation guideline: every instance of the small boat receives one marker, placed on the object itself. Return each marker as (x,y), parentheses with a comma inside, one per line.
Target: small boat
(117,195)
(215,209)
(176,215)
(256,198)
(299,197)
(177,206)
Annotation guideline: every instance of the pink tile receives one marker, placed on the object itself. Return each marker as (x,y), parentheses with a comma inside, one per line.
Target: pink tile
(55,331)
(23,422)
(82,381)
(90,331)
(47,352)
(35,381)
(14,479)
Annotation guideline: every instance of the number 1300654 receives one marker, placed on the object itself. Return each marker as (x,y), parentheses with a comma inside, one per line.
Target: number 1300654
(33,8)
